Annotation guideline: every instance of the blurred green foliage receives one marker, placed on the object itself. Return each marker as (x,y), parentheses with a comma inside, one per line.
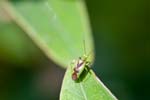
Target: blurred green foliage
(14,44)
(122,41)
(63,27)
(25,73)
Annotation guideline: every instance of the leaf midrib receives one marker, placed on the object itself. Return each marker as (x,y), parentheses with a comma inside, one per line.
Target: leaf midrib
(82,90)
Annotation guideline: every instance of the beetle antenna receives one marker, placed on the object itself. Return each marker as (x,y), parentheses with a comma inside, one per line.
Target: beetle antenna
(84,47)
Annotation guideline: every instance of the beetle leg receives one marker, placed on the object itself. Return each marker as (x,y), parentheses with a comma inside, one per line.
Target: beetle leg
(88,63)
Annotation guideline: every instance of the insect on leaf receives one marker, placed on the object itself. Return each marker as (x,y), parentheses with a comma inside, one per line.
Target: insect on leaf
(89,87)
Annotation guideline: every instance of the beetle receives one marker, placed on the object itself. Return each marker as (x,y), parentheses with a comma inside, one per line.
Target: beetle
(79,66)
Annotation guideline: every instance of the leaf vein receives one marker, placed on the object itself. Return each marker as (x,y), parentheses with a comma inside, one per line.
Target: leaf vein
(84,94)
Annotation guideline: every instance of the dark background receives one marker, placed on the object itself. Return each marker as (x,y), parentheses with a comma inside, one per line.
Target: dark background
(121,31)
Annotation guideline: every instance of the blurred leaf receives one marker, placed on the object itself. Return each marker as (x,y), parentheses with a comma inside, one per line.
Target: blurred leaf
(14,44)
(90,88)
(58,27)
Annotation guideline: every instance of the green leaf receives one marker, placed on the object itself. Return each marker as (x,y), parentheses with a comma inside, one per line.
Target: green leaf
(58,27)
(89,88)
